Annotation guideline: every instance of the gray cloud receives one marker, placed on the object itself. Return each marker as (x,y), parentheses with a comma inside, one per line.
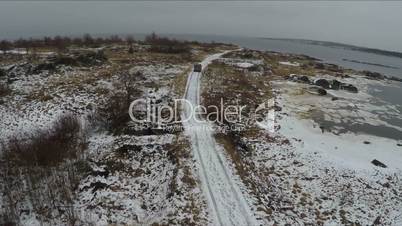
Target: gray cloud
(372,24)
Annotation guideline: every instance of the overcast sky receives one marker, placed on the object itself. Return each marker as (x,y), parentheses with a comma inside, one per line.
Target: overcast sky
(371,24)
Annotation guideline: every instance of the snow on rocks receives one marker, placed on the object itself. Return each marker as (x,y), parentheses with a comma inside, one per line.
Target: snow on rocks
(287,63)
(244,65)
(339,110)
(324,177)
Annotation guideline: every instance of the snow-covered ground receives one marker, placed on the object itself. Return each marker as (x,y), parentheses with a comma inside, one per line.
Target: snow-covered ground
(352,149)
(139,174)
(302,174)
(327,177)
(227,204)
(316,168)
(287,63)
(132,179)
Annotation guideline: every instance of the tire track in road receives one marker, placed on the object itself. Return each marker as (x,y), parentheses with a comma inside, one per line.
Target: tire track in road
(227,204)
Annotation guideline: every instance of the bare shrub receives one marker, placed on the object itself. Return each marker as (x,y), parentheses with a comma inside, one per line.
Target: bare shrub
(50,192)
(115,112)
(4,90)
(130,40)
(48,147)
(166,45)
(59,43)
(43,171)
(5,46)
(2,72)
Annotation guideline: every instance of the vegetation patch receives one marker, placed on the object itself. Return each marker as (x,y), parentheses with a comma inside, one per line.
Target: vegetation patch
(4,90)
(63,141)
(43,170)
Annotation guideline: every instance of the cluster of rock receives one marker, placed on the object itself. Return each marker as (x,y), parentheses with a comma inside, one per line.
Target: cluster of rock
(319,86)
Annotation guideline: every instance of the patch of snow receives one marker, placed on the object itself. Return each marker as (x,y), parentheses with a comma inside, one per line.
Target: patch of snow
(287,63)
(244,65)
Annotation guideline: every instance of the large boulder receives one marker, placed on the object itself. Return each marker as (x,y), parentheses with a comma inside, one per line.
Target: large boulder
(297,78)
(323,83)
(393,78)
(349,87)
(317,90)
(378,163)
(304,79)
(335,84)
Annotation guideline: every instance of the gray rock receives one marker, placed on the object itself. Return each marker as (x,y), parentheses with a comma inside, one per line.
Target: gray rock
(335,84)
(296,78)
(304,79)
(378,163)
(323,83)
(349,87)
(317,90)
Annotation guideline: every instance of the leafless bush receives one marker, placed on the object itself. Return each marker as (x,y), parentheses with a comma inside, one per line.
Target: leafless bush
(4,90)
(49,191)
(166,45)
(115,112)
(5,46)
(2,73)
(48,147)
(44,171)
(60,43)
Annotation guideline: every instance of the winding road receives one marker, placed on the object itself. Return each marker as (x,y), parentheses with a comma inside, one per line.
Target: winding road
(227,205)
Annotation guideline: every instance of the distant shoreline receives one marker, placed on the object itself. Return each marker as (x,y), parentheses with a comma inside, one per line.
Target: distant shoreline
(368,63)
(342,46)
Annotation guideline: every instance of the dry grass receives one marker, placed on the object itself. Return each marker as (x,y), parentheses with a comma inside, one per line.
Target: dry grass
(43,170)
(249,174)
(180,82)
(4,90)
(122,57)
(230,146)
(306,65)
(243,88)
(48,147)
(179,154)
(114,115)
(234,87)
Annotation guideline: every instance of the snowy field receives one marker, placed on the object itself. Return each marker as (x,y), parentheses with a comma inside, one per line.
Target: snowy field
(316,168)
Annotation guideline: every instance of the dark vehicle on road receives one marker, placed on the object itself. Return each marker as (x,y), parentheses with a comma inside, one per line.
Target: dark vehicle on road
(197,67)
